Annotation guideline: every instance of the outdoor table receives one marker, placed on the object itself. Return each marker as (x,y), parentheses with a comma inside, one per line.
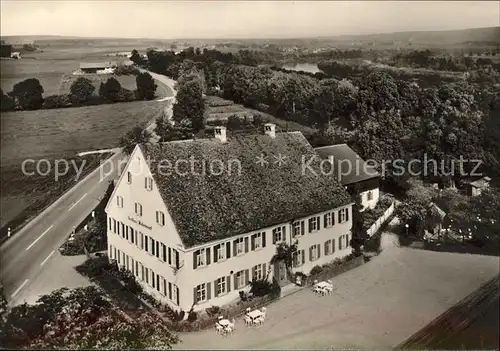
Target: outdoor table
(255,314)
(224,322)
(323,285)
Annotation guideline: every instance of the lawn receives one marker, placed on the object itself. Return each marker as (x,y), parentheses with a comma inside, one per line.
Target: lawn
(51,133)
(219,109)
(58,134)
(375,306)
(50,65)
(25,195)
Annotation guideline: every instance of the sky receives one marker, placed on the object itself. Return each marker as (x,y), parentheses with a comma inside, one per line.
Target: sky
(239,19)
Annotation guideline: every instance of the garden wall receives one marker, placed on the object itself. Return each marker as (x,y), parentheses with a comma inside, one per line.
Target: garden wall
(380,221)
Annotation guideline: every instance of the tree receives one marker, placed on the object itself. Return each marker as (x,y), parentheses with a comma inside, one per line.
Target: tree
(138,135)
(7,103)
(168,132)
(110,90)
(136,58)
(479,216)
(413,209)
(146,86)
(28,94)
(190,104)
(286,254)
(81,318)
(82,89)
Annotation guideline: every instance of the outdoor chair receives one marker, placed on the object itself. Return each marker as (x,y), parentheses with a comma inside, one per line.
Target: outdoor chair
(263,310)
(258,321)
(248,320)
(228,330)
(219,329)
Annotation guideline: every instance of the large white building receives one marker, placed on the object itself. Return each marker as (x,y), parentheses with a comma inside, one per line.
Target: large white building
(194,237)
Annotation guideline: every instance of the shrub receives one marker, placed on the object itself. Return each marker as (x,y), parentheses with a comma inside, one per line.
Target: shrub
(259,120)
(261,287)
(126,70)
(213,311)
(129,281)
(263,107)
(7,103)
(316,270)
(56,101)
(234,123)
(243,296)
(192,316)
(93,267)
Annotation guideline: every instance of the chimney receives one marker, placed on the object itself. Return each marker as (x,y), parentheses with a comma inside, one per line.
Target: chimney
(220,133)
(270,129)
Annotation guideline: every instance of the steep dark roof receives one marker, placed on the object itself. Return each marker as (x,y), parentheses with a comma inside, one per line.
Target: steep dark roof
(208,207)
(353,168)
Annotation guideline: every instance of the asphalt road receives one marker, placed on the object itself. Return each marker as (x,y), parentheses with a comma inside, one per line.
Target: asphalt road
(24,255)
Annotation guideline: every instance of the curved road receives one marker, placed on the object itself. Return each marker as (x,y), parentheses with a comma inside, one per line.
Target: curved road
(23,256)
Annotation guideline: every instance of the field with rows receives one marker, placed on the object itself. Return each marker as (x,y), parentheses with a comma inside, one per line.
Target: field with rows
(219,110)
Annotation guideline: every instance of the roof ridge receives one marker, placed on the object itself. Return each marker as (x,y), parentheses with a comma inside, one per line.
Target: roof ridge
(333,145)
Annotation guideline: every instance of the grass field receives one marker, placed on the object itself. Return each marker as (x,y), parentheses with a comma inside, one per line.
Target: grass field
(219,109)
(25,196)
(51,133)
(50,65)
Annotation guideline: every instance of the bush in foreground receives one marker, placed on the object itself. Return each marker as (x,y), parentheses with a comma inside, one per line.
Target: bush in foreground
(81,318)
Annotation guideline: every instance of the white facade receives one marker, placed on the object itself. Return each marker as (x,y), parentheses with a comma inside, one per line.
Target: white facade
(369,198)
(206,274)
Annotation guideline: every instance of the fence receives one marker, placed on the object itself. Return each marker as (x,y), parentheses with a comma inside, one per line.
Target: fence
(381,220)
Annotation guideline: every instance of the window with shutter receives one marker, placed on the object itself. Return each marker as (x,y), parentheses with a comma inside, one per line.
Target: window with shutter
(228,283)
(303,256)
(209,291)
(246,244)
(228,250)
(195,259)
(216,253)
(264,234)
(208,256)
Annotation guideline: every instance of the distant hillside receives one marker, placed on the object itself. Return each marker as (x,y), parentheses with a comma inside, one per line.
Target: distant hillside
(462,36)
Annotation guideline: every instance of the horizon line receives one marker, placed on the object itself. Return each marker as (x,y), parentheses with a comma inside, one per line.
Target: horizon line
(249,38)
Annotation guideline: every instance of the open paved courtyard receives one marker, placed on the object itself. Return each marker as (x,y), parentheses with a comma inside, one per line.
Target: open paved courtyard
(377,305)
